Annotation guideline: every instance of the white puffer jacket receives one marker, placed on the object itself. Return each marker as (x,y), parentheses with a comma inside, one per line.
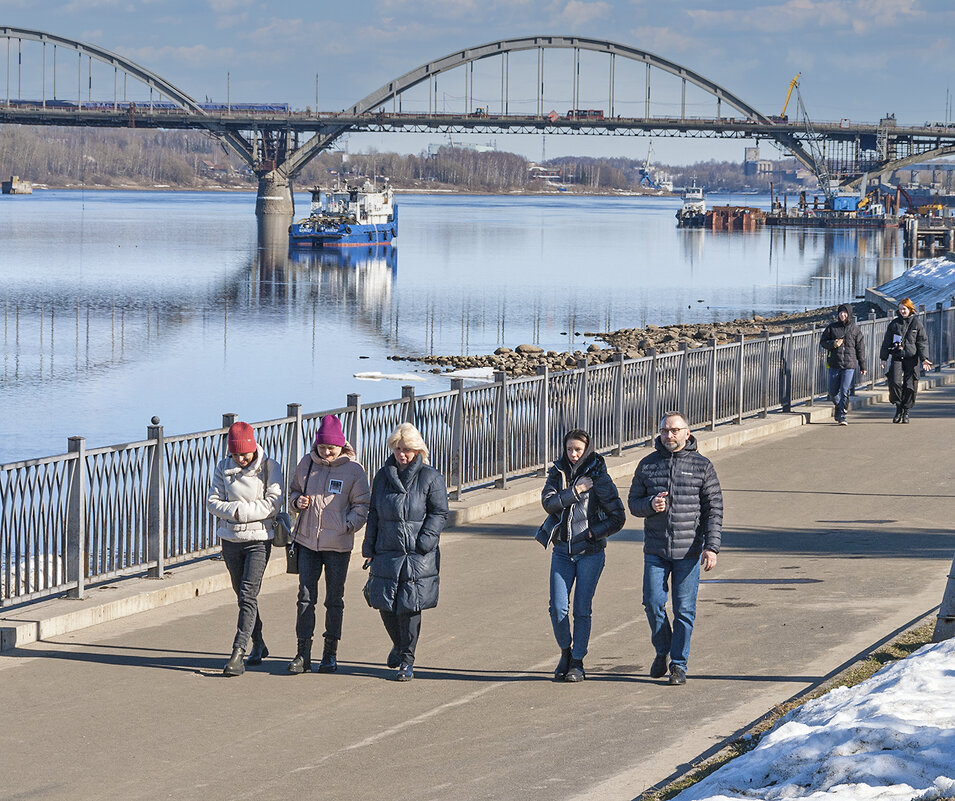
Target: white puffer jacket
(245,499)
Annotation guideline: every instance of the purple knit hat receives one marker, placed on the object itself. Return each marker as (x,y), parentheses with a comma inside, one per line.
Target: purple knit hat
(330,432)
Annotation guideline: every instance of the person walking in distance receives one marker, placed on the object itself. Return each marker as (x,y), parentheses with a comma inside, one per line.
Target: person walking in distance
(904,348)
(676,491)
(247,492)
(330,490)
(409,507)
(584,508)
(845,345)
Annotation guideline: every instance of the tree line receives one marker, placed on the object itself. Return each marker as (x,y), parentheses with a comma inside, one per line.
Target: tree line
(189,159)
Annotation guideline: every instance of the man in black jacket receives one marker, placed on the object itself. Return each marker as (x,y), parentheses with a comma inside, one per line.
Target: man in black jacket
(845,345)
(676,490)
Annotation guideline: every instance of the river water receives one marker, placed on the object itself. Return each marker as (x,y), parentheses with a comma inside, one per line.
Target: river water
(117,306)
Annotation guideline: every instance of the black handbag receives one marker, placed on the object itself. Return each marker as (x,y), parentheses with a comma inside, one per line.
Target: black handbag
(291,559)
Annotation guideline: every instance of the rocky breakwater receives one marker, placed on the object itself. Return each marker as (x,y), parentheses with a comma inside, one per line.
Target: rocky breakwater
(633,342)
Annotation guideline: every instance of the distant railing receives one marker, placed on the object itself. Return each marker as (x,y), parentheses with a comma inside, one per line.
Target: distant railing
(91,515)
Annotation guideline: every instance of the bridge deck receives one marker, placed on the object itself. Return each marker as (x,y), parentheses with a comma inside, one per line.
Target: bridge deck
(834,538)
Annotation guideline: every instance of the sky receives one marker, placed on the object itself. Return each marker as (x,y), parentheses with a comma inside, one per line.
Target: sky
(859,59)
(890,738)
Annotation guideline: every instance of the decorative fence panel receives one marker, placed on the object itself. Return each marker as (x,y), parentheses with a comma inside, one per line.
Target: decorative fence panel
(90,515)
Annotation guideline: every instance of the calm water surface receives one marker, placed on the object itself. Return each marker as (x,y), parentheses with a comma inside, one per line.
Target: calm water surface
(117,306)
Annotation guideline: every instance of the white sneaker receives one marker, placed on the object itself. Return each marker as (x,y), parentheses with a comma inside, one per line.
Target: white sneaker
(843,422)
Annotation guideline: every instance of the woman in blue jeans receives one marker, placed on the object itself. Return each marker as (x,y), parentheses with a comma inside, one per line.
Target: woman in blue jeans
(247,492)
(584,508)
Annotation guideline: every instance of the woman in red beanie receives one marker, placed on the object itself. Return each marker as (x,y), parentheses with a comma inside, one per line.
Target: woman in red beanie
(330,490)
(246,494)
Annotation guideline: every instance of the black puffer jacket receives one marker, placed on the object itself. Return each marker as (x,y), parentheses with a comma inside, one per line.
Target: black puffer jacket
(693,519)
(851,355)
(913,343)
(581,521)
(401,536)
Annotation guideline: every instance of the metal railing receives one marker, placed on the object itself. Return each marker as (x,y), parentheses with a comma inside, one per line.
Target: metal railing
(94,514)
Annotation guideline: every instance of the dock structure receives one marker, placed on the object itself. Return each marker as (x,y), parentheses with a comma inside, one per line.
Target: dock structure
(734,218)
(928,236)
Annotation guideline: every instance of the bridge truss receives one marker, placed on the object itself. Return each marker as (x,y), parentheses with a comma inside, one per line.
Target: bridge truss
(277,142)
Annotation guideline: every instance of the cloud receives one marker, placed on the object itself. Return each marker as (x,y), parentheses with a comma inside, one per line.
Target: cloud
(663,42)
(578,13)
(191,56)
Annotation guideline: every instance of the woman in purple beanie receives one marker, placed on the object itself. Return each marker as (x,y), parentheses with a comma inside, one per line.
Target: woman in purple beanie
(330,490)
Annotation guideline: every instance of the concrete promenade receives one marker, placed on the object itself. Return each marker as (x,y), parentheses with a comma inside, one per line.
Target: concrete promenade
(835,537)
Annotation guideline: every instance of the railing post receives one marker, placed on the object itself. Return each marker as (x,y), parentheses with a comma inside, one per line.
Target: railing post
(652,397)
(939,333)
(683,380)
(500,429)
(407,392)
(353,402)
(712,386)
(76,557)
(156,501)
(293,441)
(543,418)
(873,353)
(741,339)
(583,395)
(764,374)
(618,403)
(227,420)
(457,438)
(788,371)
(811,359)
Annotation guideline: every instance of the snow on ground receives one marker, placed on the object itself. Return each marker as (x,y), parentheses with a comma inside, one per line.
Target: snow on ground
(937,272)
(890,738)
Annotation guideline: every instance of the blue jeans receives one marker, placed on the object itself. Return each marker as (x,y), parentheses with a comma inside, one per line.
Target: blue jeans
(310,565)
(246,561)
(840,385)
(683,576)
(565,569)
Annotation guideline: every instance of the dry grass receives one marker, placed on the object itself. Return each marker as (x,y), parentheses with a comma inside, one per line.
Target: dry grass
(899,648)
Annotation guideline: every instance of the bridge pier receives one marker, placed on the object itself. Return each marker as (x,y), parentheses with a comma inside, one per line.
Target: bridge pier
(275,196)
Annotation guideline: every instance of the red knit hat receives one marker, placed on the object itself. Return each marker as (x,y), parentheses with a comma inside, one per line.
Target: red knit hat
(241,438)
(330,432)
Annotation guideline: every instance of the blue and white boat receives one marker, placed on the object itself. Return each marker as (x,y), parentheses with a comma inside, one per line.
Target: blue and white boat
(345,217)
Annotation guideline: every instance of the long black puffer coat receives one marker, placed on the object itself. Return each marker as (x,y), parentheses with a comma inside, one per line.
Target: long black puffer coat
(581,521)
(693,519)
(401,536)
(913,344)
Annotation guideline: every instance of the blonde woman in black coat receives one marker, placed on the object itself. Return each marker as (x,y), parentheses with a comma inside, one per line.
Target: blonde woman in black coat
(409,508)
(904,348)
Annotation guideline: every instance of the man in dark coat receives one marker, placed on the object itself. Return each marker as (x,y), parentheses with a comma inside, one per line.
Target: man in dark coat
(845,346)
(676,491)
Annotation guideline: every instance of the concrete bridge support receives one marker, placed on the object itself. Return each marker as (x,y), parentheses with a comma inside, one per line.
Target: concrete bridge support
(275,196)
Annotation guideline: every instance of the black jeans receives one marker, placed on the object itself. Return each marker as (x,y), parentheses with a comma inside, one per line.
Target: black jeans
(246,563)
(310,565)
(903,381)
(403,629)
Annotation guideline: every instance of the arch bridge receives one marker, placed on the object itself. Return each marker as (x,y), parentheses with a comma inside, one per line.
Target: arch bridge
(641,94)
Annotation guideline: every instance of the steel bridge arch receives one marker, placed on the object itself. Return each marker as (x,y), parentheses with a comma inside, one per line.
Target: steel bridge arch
(139,72)
(468,55)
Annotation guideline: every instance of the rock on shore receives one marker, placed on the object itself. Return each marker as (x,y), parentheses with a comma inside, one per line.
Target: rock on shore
(635,342)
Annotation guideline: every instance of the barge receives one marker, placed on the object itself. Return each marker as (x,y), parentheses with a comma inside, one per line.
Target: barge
(347,217)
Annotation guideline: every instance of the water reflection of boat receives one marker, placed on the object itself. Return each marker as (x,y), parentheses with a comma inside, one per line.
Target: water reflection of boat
(692,213)
(376,256)
(347,218)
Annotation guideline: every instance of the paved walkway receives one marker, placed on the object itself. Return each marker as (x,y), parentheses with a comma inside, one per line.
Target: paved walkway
(835,537)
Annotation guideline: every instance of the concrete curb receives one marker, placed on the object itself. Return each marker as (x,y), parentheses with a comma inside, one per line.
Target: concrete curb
(112,601)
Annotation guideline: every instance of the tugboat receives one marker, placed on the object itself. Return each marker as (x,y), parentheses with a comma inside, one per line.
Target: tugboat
(692,213)
(345,217)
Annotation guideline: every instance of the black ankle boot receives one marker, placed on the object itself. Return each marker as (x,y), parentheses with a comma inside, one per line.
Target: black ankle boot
(905,416)
(576,671)
(235,666)
(560,672)
(898,415)
(329,663)
(259,651)
(303,659)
